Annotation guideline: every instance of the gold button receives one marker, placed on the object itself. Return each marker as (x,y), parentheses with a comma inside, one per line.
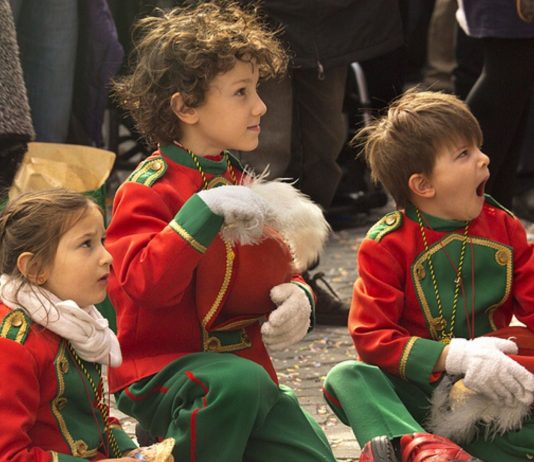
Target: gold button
(17,320)
(80,449)
(436,323)
(156,165)
(64,366)
(61,402)
(420,272)
(502,256)
(390,220)
(212,344)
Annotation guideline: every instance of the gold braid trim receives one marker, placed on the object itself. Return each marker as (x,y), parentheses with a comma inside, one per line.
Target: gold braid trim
(405,354)
(78,448)
(187,237)
(230,256)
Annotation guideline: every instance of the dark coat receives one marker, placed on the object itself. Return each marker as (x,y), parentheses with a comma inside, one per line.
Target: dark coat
(330,33)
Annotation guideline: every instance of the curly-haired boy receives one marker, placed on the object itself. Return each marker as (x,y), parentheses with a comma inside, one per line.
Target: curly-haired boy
(195,309)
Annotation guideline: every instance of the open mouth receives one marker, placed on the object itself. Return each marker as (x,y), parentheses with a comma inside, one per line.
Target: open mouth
(481,187)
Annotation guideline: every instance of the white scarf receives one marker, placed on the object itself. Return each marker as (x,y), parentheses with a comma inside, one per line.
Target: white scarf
(85,328)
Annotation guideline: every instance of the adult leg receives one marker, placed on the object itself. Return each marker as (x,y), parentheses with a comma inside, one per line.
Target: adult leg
(469,62)
(288,434)
(47,33)
(499,100)
(320,131)
(274,149)
(440,60)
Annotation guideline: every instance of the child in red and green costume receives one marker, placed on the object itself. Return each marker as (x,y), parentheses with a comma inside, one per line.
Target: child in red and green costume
(53,341)
(205,275)
(435,276)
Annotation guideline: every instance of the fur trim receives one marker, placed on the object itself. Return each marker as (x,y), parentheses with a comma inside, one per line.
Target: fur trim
(460,414)
(295,216)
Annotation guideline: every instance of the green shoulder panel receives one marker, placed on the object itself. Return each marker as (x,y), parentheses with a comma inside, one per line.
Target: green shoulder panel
(385,225)
(15,326)
(149,171)
(492,201)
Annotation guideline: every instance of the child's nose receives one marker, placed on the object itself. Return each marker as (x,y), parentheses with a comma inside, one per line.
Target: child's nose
(259,107)
(485,159)
(106,259)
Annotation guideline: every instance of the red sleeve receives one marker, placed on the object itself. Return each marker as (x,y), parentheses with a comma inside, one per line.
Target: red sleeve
(379,303)
(19,401)
(152,262)
(523,276)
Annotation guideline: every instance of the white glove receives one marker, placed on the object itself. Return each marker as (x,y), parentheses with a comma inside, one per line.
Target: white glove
(243,211)
(488,370)
(290,322)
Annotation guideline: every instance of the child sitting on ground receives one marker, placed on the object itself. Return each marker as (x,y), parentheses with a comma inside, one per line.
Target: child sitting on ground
(189,298)
(53,341)
(436,275)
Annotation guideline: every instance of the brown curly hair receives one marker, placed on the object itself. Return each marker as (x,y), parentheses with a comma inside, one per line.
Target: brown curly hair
(407,140)
(183,50)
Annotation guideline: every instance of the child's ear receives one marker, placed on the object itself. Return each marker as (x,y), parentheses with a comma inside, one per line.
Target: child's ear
(28,267)
(421,186)
(186,114)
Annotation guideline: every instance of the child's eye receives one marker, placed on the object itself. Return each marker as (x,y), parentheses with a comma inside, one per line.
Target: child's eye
(464,153)
(241,92)
(86,243)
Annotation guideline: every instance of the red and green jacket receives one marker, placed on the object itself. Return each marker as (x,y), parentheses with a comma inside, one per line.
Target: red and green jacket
(46,403)
(159,234)
(394,318)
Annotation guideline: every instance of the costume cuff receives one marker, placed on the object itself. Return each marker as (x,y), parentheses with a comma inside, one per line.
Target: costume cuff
(196,223)
(124,442)
(419,358)
(57,457)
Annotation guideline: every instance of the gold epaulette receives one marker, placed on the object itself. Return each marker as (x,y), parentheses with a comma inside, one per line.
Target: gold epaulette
(385,225)
(149,171)
(15,326)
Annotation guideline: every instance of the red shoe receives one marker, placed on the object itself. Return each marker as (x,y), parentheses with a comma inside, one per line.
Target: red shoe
(426,447)
(379,449)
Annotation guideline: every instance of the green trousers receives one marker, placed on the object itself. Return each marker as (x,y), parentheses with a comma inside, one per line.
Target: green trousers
(220,407)
(375,403)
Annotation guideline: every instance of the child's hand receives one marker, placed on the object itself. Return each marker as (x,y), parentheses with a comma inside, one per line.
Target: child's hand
(243,211)
(290,322)
(488,370)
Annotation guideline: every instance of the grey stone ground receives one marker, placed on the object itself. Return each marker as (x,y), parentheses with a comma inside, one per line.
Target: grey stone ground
(304,366)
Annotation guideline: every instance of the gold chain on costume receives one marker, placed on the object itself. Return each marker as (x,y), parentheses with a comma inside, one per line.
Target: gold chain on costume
(102,406)
(444,336)
(203,175)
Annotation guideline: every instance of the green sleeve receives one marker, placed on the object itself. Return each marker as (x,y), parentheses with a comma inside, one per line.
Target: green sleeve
(196,223)
(419,358)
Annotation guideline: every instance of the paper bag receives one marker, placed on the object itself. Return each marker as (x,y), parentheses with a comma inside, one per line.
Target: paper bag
(82,169)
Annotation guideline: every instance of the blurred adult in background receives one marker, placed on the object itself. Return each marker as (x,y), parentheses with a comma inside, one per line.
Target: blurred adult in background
(500,97)
(69,52)
(304,129)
